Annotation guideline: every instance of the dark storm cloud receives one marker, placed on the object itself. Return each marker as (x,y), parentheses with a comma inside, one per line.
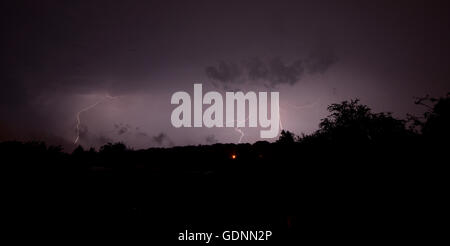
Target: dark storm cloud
(101,140)
(284,73)
(13,92)
(142,134)
(122,128)
(20,108)
(55,53)
(225,72)
(162,139)
(82,47)
(257,69)
(211,139)
(271,72)
(274,71)
(92,139)
(320,62)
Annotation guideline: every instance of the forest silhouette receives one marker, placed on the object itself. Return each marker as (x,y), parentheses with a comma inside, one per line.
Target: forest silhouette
(360,169)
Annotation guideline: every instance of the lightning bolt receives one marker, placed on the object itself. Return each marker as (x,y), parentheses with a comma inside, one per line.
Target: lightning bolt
(241,132)
(77,127)
(234,122)
(238,129)
(281,124)
(297,107)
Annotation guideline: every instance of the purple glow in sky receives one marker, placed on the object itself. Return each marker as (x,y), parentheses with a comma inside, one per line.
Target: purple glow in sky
(59,57)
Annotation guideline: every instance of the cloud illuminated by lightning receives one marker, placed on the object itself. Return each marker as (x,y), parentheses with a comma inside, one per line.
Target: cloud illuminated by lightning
(296,107)
(289,105)
(293,106)
(303,106)
(77,127)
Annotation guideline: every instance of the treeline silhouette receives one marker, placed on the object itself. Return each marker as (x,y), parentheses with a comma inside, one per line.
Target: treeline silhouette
(358,169)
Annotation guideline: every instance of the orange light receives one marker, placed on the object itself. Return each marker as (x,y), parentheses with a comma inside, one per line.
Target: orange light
(233,157)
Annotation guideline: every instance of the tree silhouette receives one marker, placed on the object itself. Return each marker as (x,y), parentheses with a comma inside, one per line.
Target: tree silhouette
(435,122)
(113,148)
(286,137)
(351,121)
(355,155)
(78,150)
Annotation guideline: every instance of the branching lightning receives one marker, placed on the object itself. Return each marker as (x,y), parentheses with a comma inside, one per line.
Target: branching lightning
(77,127)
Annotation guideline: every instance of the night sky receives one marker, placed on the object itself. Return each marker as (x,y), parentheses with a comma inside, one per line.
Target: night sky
(129,57)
